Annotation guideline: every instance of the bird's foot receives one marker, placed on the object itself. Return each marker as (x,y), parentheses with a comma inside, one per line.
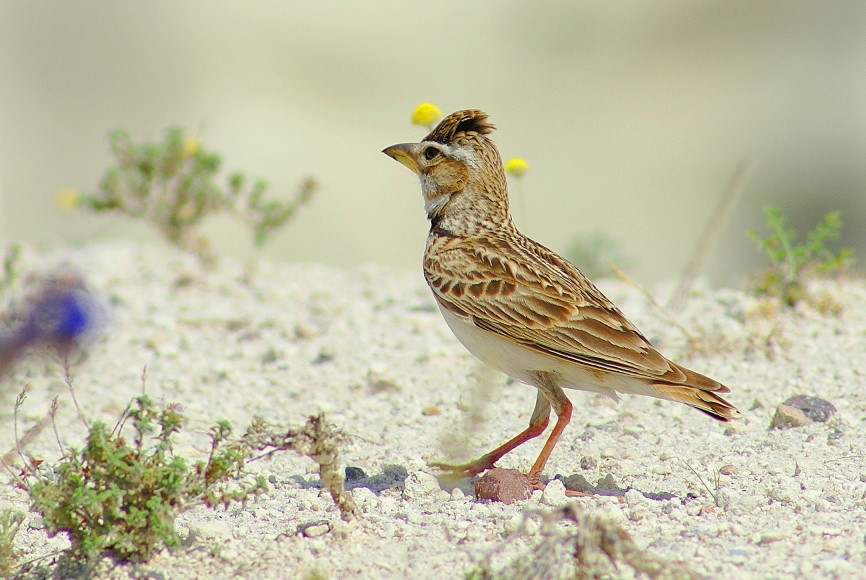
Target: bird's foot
(471,469)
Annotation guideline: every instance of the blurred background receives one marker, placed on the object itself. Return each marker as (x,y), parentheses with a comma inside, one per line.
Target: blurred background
(633,115)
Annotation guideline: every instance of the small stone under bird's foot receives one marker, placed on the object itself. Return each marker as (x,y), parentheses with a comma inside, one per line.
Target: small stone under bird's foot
(505,485)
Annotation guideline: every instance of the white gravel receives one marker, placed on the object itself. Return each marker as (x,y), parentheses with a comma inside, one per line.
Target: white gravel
(368,347)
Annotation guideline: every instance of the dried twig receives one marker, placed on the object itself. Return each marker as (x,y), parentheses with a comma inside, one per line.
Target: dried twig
(319,441)
(592,548)
(667,313)
(708,239)
(67,378)
(30,434)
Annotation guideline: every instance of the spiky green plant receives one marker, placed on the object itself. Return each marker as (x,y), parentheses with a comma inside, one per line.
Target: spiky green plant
(121,498)
(792,261)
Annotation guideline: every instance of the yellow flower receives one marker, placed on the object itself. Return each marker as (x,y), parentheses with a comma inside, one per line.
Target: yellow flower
(68,198)
(517,167)
(191,146)
(426,114)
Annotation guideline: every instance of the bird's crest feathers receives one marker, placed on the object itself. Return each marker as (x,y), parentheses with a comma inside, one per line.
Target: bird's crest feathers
(459,123)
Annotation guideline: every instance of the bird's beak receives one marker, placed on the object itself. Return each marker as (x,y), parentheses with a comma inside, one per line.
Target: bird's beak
(402,153)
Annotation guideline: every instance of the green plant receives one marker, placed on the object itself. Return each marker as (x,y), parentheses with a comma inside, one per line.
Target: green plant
(10,524)
(792,261)
(173,186)
(121,498)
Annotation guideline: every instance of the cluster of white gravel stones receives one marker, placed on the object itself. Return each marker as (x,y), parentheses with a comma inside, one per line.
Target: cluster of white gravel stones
(368,347)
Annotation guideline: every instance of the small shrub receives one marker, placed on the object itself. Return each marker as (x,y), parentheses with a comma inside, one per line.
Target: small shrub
(793,262)
(173,186)
(121,498)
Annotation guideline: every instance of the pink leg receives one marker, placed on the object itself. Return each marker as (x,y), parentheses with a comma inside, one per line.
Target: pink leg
(562,407)
(537,424)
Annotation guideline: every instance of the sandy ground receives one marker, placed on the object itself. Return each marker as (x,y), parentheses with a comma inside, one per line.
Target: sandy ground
(367,346)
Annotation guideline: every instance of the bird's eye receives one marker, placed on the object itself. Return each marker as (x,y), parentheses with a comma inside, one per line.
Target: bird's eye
(430,153)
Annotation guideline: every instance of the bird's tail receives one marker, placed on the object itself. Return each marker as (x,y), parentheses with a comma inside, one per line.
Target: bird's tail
(699,392)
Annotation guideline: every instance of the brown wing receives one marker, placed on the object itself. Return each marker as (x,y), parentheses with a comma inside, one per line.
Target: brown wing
(551,307)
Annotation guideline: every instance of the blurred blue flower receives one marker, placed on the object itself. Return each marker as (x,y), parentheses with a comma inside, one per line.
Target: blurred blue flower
(58,316)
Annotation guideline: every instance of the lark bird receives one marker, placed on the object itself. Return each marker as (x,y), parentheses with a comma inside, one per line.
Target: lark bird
(520,307)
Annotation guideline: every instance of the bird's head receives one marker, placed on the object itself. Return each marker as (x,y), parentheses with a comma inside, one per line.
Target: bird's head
(460,169)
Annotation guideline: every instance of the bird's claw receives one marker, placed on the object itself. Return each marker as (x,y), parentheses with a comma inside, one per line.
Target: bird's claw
(471,469)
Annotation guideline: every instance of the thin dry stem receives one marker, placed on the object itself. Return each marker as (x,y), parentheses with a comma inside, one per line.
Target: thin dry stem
(67,377)
(19,400)
(708,239)
(704,483)
(54,407)
(30,434)
(667,313)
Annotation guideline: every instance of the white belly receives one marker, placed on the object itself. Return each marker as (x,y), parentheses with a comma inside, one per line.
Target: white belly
(519,362)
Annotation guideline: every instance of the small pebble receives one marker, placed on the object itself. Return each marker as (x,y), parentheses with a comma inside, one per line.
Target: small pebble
(314,529)
(578,482)
(607,485)
(504,485)
(355,473)
(788,417)
(588,462)
(728,470)
(814,408)
(554,493)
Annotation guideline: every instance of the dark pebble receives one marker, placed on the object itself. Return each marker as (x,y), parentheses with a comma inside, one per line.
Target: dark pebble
(355,473)
(577,482)
(816,409)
